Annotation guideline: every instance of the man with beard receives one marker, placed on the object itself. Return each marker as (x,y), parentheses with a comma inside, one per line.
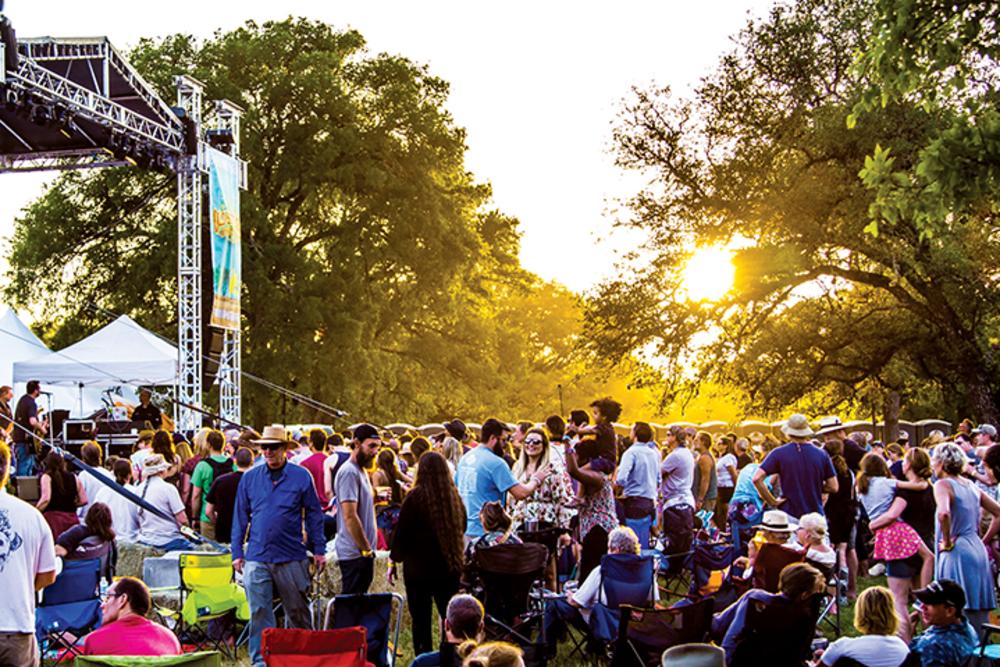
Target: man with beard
(272,500)
(355,543)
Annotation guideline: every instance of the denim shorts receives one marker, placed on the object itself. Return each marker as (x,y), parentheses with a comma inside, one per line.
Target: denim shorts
(904,568)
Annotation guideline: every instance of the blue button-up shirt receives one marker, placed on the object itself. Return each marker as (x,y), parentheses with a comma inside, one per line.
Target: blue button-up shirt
(639,470)
(946,644)
(274,512)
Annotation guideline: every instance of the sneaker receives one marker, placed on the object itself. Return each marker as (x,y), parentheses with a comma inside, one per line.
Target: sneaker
(877,570)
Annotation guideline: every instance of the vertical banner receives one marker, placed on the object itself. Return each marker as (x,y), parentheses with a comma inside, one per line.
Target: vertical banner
(224,204)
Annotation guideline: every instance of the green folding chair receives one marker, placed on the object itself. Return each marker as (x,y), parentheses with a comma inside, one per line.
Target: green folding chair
(201,659)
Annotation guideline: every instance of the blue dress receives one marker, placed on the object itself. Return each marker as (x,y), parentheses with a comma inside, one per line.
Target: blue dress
(967,563)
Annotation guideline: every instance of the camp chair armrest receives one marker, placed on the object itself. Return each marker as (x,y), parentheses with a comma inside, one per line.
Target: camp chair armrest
(992,628)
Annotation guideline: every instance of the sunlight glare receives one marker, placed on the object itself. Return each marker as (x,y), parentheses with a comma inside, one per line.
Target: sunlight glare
(708,275)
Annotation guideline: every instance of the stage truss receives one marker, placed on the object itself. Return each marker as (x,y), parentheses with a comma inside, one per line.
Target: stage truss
(76,103)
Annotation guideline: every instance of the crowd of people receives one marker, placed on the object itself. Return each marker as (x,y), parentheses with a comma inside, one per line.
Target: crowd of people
(925,515)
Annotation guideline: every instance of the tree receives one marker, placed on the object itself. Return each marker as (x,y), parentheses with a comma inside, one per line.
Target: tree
(944,57)
(376,277)
(760,154)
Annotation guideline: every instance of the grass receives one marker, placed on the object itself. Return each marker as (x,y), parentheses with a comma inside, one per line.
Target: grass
(563,659)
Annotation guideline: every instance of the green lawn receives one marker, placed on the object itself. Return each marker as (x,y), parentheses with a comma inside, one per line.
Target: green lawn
(563,659)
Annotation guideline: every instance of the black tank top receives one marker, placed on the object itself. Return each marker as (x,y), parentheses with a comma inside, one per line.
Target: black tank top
(65,501)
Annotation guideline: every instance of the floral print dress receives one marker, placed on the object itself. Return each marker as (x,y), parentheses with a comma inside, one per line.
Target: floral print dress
(550,503)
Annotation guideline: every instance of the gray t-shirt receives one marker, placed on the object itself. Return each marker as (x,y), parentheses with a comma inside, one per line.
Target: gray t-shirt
(352,485)
(678,478)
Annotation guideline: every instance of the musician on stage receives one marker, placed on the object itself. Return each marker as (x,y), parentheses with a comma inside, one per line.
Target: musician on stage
(26,446)
(146,411)
(6,413)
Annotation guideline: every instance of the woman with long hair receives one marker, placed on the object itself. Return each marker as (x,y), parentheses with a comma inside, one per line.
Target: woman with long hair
(841,513)
(706,483)
(547,507)
(961,555)
(199,446)
(61,493)
(94,538)
(388,474)
(428,542)
(163,444)
(452,451)
(917,508)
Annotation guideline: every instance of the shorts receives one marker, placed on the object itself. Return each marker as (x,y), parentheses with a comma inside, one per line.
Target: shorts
(904,568)
(726,493)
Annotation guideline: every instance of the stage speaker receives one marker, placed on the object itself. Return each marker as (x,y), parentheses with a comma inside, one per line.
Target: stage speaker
(212,340)
(28,489)
(57,419)
(78,430)
(9,40)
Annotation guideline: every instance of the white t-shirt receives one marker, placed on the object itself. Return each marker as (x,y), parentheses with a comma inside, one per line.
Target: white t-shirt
(26,550)
(591,592)
(163,496)
(722,470)
(92,486)
(872,650)
(124,513)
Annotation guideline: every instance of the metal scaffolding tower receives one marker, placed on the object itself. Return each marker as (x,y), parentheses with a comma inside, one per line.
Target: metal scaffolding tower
(77,103)
(189,219)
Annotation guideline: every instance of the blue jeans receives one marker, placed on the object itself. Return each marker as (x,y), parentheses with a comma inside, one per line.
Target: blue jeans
(265,582)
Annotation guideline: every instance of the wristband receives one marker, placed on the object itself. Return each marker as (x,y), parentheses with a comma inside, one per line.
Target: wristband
(367,553)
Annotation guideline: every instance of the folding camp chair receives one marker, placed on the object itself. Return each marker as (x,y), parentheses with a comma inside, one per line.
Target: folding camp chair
(674,573)
(199,659)
(644,633)
(69,608)
(771,560)
(207,593)
(509,574)
(344,647)
(626,579)
(987,651)
(778,632)
(373,612)
(642,529)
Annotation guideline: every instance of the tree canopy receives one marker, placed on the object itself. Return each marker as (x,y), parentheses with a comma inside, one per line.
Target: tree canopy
(760,157)
(377,277)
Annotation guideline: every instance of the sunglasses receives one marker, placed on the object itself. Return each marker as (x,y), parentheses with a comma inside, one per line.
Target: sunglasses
(108,596)
(533,441)
(271,445)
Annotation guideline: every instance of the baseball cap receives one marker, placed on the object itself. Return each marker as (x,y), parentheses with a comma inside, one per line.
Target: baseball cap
(988,429)
(942,591)
(365,432)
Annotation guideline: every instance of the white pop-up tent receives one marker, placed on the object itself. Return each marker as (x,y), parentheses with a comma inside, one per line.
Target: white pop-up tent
(121,353)
(19,343)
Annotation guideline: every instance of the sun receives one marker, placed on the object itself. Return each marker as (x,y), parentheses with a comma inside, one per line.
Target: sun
(708,274)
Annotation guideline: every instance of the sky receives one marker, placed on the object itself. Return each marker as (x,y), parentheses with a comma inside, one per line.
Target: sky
(536,85)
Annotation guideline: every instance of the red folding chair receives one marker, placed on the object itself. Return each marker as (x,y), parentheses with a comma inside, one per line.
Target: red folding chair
(291,647)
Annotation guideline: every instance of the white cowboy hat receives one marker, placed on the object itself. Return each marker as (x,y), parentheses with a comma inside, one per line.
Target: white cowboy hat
(797,426)
(777,522)
(829,425)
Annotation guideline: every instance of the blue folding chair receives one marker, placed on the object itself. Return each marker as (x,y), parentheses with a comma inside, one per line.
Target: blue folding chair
(626,579)
(642,528)
(69,608)
(377,614)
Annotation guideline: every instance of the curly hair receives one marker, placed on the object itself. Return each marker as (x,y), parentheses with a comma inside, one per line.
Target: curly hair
(435,490)
(610,409)
(951,457)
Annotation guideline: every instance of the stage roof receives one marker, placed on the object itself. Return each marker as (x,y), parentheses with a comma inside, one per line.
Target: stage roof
(78,99)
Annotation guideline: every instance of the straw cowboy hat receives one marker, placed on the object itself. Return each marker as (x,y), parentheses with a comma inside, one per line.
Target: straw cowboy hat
(272,433)
(797,426)
(776,521)
(153,465)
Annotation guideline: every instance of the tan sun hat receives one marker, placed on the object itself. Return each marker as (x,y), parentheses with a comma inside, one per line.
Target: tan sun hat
(272,433)
(797,426)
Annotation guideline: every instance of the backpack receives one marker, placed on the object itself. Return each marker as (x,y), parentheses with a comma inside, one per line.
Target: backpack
(219,468)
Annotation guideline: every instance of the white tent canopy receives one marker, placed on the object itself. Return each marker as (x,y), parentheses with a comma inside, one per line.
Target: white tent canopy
(19,343)
(122,353)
